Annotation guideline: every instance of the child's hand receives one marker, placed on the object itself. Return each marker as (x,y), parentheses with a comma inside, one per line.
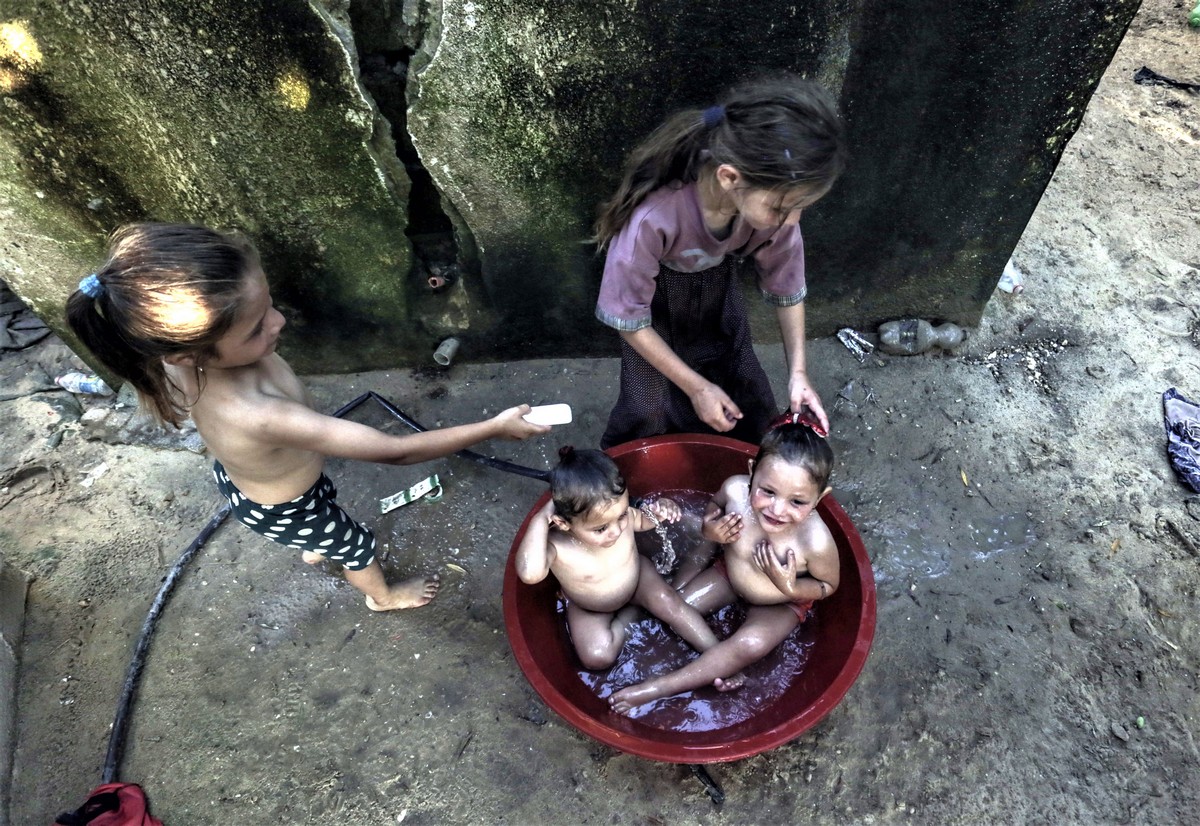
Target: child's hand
(514,426)
(781,573)
(802,395)
(715,408)
(667,510)
(721,528)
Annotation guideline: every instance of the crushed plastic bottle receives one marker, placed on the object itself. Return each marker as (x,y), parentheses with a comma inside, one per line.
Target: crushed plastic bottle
(916,335)
(1012,280)
(90,385)
(1193,17)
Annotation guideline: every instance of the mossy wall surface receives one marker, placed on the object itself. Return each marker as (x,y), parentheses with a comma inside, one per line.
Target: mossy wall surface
(252,114)
(525,110)
(235,113)
(957,114)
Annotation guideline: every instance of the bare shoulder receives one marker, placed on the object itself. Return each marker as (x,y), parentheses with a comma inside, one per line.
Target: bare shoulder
(248,411)
(560,546)
(818,548)
(817,537)
(735,487)
(242,403)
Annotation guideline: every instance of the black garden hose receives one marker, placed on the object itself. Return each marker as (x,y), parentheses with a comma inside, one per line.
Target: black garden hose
(489,461)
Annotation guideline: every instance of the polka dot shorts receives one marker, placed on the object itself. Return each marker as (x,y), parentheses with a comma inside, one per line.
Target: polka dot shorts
(312,521)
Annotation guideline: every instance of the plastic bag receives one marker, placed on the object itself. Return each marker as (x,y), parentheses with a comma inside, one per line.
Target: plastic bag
(1182,418)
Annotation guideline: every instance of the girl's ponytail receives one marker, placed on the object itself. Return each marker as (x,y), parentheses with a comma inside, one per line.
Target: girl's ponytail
(86,317)
(670,153)
(778,132)
(166,290)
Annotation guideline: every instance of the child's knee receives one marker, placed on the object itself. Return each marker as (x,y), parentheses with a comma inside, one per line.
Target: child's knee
(755,646)
(595,658)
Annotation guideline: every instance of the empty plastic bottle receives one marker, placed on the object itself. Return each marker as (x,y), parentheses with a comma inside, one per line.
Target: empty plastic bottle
(1012,280)
(91,385)
(1193,17)
(910,336)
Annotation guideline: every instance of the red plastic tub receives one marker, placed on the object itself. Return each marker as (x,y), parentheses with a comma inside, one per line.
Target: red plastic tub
(847,622)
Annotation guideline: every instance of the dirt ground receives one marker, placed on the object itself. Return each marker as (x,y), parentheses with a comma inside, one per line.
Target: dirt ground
(1036,657)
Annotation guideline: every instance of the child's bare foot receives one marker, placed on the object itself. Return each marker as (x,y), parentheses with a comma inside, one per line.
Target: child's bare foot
(730,683)
(627,699)
(312,557)
(410,593)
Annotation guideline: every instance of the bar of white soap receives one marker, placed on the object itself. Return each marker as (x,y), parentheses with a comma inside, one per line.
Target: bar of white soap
(549,414)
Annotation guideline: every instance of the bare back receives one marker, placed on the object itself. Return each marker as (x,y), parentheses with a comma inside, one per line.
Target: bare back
(231,408)
(814,546)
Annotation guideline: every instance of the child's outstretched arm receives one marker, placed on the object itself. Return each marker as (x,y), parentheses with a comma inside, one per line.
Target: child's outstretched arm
(289,424)
(664,510)
(536,553)
(716,528)
(800,391)
(711,403)
(719,526)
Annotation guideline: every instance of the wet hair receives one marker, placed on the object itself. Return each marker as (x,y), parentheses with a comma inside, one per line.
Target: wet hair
(583,480)
(780,133)
(798,444)
(165,290)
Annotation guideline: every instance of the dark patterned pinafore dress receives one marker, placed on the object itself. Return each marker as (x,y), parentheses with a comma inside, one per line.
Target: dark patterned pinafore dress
(702,317)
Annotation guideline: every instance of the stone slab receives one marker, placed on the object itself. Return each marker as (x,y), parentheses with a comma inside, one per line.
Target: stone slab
(13,586)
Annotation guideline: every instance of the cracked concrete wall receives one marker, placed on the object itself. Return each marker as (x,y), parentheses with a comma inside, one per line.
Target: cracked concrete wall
(520,112)
(524,110)
(234,113)
(957,115)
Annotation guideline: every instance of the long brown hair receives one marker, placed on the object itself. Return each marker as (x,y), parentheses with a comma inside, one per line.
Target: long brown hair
(165,290)
(778,132)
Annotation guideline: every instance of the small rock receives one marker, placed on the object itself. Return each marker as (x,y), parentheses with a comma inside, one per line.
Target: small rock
(94,417)
(1119,731)
(1193,507)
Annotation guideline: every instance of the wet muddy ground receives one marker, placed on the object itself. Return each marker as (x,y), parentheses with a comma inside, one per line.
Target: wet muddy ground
(1036,563)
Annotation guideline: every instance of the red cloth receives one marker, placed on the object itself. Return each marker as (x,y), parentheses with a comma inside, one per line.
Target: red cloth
(112,804)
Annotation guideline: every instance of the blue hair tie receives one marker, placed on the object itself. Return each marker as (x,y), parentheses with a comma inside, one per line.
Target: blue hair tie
(713,116)
(91,286)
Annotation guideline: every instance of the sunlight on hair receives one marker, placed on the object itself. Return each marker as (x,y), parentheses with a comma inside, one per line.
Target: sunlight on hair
(20,51)
(182,312)
(293,88)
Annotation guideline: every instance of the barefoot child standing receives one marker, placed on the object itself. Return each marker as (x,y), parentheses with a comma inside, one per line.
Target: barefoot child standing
(779,558)
(584,536)
(184,314)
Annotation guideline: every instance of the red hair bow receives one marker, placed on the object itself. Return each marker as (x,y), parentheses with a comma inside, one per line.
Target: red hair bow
(806,419)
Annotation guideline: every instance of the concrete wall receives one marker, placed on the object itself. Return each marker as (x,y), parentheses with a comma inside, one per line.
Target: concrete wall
(13,585)
(242,113)
(369,145)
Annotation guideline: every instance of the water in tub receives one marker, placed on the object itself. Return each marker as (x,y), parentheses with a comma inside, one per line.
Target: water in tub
(652,649)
